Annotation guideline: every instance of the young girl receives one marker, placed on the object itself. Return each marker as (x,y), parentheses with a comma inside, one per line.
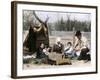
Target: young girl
(68,50)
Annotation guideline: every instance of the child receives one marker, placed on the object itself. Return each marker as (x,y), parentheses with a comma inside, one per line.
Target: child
(68,50)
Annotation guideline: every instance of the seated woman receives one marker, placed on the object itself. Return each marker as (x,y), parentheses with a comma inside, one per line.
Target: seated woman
(58,47)
(81,47)
(41,53)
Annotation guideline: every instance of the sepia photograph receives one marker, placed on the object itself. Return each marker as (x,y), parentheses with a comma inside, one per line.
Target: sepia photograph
(56,38)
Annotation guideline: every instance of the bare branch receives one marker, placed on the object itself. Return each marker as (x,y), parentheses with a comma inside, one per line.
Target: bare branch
(37,17)
(46,19)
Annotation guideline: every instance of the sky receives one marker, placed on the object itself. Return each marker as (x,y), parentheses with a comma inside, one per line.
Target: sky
(54,16)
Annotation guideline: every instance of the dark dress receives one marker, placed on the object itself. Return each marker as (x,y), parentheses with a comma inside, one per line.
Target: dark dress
(41,54)
(57,48)
(84,55)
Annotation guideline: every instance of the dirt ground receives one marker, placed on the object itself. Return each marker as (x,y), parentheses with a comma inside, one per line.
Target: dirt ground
(75,63)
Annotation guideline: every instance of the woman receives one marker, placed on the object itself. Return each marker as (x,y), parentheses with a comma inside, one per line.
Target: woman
(40,51)
(58,47)
(81,46)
